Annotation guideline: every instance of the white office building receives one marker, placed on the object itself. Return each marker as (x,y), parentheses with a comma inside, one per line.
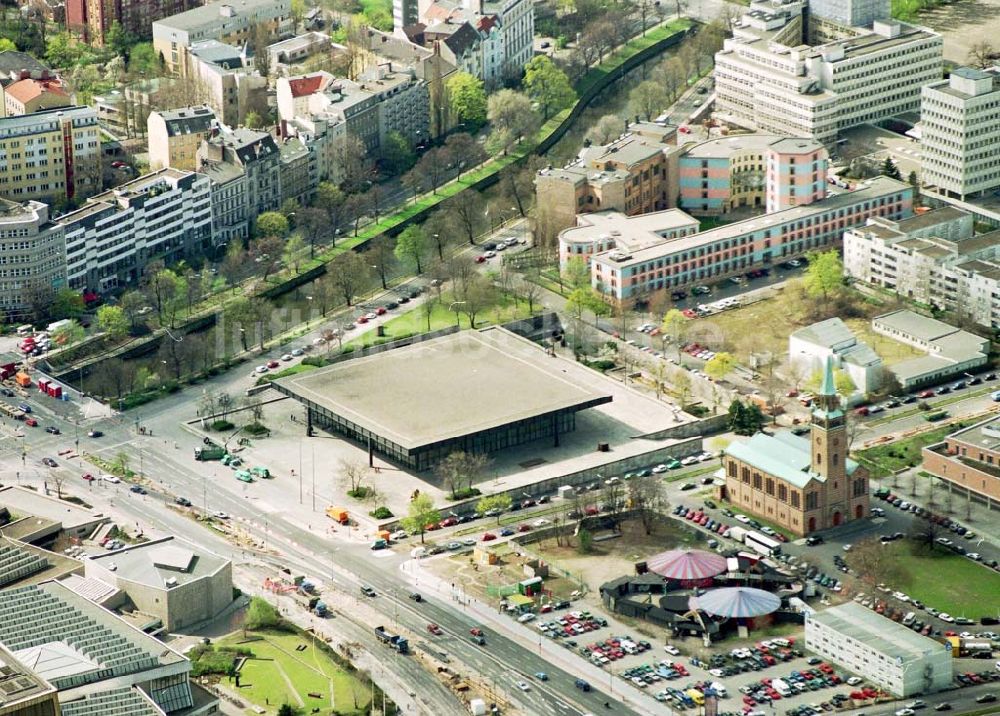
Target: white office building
(887,654)
(32,251)
(813,345)
(960,132)
(818,91)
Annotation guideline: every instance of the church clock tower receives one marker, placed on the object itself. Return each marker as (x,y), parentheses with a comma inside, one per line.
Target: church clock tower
(829,449)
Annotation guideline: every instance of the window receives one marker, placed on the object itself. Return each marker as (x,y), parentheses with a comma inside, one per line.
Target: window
(783,492)
(732,469)
(769,486)
(812,500)
(795,500)
(757,481)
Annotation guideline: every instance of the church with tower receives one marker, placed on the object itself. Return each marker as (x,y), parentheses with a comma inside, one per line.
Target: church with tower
(802,484)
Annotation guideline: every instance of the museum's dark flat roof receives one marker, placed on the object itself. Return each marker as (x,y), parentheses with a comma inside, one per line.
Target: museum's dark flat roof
(444,388)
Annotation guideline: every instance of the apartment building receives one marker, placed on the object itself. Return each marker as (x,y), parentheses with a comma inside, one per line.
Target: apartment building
(254,154)
(969,460)
(229,21)
(802,484)
(882,652)
(935,259)
(960,132)
(30,95)
(296,175)
(166,215)
(229,83)
(753,243)
(383,100)
(175,136)
(50,155)
(634,174)
(230,214)
(91,20)
(32,256)
(818,91)
(296,49)
(751,170)
(494,38)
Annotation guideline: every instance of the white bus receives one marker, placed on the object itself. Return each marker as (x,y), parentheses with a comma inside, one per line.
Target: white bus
(761,544)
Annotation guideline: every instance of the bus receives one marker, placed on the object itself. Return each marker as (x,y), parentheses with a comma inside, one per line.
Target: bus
(762,544)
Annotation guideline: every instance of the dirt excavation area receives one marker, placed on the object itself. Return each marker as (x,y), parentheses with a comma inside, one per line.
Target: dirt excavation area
(964,24)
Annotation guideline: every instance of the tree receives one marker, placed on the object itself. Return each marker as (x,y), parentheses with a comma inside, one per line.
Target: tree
(459,470)
(649,500)
(575,273)
(316,227)
(67,303)
(234,265)
(272,223)
(380,253)
(353,475)
(261,615)
(7,45)
(420,514)
(745,419)
(260,38)
(479,295)
(67,334)
(286,709)
(500,502)
(411,247)
(467,212)
(584,541)
(874,564)
(62,51)
(467,98)
(294,249)
(298,8)
(648,99)
(925,533)
(890,169)
(512,117)
(131,303)
(348,274)
(913,180)
(465,151)
(266,252)
(981,54)
(397,153)
(824,275)
(548,85)
(682,387)
(351,158)
(674,325)
(112,320)
(613,497)
(606,129)
(161,286)
(431,170)
(720,366)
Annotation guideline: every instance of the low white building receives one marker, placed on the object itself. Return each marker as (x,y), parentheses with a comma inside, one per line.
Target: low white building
(812,345)
(889,655)
(950,351)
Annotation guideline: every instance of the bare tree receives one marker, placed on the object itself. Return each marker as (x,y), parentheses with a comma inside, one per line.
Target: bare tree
(613,498)
(874,563)
(353,475)
(648,499)
(981,54)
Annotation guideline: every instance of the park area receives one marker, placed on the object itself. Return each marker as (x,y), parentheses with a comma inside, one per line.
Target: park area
(902,454)
(765,325)
(944,580)
(286,667)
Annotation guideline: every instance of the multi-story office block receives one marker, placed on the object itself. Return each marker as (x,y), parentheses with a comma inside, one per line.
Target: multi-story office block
(163,215)
(852,13)
(91,20)
(960,132)
(32,256)
(817,91)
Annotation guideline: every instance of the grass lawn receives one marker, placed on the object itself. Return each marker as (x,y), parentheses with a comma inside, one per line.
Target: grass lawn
(903,453)
(415,321)
(278,674)
(946,581)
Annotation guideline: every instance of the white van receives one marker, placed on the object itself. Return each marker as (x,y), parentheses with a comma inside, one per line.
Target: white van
(25,330)
(909,618)
(720,690)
